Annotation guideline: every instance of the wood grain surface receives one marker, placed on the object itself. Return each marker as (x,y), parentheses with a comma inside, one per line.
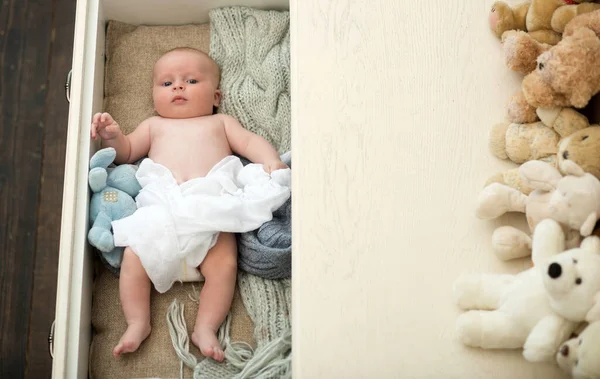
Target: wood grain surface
(39,362)
(392,106)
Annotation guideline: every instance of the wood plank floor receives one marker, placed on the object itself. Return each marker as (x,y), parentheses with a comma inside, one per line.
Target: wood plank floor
(36,41)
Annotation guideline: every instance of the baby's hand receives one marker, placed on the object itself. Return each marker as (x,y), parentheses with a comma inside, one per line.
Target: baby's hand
(104,126)
(274,165)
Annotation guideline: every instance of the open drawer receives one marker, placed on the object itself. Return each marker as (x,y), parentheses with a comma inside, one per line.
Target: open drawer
(72,328)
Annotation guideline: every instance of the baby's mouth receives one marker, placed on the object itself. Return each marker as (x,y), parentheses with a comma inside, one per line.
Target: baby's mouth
(179,99)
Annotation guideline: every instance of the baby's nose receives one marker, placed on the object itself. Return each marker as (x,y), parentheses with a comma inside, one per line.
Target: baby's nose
(178,87)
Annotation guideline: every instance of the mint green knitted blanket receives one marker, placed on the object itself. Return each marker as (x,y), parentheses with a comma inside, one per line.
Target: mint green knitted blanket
(252,49)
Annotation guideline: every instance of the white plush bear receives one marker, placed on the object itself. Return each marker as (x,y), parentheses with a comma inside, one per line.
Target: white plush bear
(573,200)
(539,308)
(580,356)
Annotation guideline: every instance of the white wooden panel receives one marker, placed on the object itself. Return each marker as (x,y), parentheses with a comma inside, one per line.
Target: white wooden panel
(176,12)
(74,287)
(392,105)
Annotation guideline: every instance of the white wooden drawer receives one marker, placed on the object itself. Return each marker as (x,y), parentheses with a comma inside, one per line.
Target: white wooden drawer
(392,103)
(72,330)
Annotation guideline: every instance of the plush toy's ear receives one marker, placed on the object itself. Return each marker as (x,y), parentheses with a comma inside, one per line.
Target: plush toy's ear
(97,179)
(571,168)
(539,175)
(588,226)
(594,313)
(548,240)
(591,243)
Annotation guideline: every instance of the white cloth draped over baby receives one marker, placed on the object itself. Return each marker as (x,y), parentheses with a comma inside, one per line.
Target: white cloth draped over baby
(176,225)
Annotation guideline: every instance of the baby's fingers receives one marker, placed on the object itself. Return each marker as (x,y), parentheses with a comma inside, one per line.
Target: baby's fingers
(94,129)
(96,118)
(106,118)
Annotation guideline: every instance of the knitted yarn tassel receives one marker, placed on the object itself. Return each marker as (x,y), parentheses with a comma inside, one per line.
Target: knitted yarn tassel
(179,336)
(270,361)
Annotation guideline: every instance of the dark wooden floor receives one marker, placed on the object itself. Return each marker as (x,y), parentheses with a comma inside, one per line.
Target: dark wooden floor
(36,41)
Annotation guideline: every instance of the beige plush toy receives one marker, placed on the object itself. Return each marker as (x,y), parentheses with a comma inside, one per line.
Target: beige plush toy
(521,51)
(581,148)
(544,20)
(537,309)
(580,356)
(566,75)
(538,140)
(572,200)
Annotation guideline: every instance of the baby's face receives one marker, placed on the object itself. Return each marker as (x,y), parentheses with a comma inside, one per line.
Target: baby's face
(185,85)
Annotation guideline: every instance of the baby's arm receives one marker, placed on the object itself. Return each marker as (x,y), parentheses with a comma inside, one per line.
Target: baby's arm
(251,146)
(130,147)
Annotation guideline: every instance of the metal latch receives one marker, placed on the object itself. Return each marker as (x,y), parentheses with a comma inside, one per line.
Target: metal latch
(51,340)
(68,86)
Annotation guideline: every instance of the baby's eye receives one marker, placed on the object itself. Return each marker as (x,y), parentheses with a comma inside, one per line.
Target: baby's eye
(166,84)
(192,81)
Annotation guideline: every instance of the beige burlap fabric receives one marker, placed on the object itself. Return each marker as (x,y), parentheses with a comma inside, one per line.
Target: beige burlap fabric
(156,356)
(130,55)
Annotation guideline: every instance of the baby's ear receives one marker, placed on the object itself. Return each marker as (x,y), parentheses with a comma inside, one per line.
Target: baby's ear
(217,98)
(594,313)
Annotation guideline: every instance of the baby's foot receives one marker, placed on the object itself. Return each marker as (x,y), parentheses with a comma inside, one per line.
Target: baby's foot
(207,342)
(131,339)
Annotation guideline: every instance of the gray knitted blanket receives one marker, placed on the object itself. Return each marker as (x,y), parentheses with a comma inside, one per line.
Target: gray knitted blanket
(252,48)
(267,251)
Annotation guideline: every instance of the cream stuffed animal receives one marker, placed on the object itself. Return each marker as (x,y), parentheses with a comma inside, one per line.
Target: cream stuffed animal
(539,308)
(572,200)
(522,142)
(580,356)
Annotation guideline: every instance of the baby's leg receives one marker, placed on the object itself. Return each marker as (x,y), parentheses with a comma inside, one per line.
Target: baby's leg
(219,269)
(134,289)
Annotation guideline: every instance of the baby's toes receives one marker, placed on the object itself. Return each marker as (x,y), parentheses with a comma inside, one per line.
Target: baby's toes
(219,355)
(207,351)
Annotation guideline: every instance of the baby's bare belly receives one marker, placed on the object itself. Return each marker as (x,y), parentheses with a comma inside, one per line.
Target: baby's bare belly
(189,154)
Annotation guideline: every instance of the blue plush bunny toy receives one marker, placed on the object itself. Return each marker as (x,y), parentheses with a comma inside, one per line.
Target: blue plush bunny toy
(114,190)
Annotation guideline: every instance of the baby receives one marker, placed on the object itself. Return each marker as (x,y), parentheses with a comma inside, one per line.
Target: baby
(185,144)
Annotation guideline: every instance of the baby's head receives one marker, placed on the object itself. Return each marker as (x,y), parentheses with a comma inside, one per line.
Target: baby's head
(185,84)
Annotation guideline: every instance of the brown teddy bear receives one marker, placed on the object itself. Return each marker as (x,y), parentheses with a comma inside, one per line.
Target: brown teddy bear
(544,20)
(538,140)
(566,75)
(521,51)
(581,147)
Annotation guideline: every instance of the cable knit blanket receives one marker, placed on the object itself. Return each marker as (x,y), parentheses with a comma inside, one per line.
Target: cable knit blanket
(267,251)
(252,49)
